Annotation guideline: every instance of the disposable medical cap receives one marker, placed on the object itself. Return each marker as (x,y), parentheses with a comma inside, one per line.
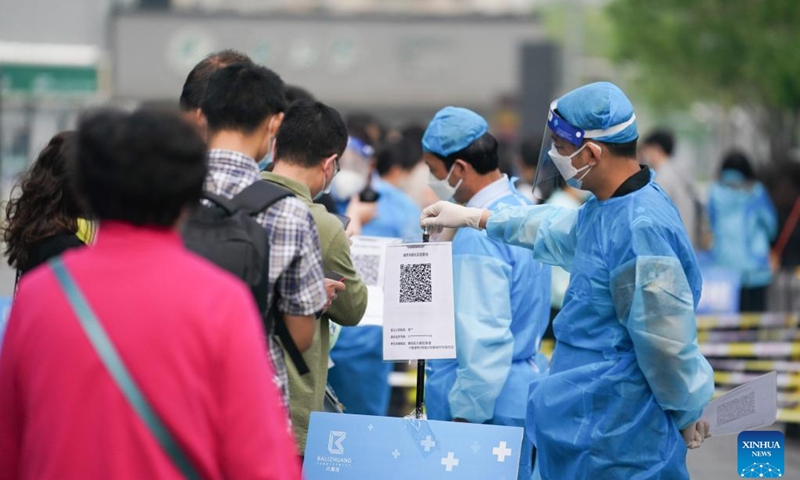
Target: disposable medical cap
(453,129)
(596,107)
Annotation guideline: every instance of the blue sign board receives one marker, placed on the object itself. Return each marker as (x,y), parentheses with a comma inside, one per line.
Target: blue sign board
(358,447)
(720,291)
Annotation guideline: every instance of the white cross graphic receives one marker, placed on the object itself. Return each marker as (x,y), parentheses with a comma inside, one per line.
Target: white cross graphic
(428,443)
(475,447)
(450,461)
(501,451)
(396,453)
(370,427)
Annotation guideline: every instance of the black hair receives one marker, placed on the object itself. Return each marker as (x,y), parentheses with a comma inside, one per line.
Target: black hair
(46,205)
(481,154)
(400,153)
(529,151)
(412,139)
(739,161)
(310,132)
(142,168)
(241,97)
(196,82)
(663,139)
(359,124)
(293,94)
(627,149)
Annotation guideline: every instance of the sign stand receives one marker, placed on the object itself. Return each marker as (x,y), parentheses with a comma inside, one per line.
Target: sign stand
(420,401)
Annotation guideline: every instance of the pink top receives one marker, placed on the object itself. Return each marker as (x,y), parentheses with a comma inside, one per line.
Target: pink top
(191,338)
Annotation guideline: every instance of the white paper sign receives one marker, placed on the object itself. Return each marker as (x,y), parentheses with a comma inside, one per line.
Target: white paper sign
(751,405)
(419,317)
(369,259)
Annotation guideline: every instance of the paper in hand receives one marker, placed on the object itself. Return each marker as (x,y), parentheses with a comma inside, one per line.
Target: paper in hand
(751,405)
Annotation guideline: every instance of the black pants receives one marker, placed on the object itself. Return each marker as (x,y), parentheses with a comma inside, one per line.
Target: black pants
(753,299)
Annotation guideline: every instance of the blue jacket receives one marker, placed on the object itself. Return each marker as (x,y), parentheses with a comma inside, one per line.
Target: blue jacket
(743,221)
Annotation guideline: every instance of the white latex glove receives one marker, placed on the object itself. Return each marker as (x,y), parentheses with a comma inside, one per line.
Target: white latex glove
(449,215)
(695,434)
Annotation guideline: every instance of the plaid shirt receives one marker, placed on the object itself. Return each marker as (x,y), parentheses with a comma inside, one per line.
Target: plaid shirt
(295,259)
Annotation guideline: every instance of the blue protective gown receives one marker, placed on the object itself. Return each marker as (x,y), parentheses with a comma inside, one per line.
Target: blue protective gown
(743,221)
(502,307)
(359,376)
(626,373)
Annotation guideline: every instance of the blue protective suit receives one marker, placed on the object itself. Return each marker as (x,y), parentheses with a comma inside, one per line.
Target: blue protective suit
(743,221)
(359,376)
(502,307)
(626,373)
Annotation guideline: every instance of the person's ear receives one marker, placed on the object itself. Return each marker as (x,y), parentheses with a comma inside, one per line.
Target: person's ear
(274,124)
(595,152)
(462,167)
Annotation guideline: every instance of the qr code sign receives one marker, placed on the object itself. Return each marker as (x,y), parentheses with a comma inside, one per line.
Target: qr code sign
(415,283)
(367,266)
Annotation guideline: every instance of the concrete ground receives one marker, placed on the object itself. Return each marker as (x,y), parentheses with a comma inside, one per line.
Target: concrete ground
(715,460)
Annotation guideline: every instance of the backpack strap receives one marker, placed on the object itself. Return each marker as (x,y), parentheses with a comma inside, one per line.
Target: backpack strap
(253,200)
(259,196)
(104,348)
(220,201)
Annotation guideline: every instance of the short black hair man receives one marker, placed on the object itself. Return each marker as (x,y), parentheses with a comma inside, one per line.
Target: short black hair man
(310,141)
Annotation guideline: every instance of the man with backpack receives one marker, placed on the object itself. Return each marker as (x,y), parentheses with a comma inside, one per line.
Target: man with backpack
(310,141)
(243,105)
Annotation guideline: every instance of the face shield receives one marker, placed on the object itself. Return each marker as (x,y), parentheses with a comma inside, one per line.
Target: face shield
(560,144)
(355,167)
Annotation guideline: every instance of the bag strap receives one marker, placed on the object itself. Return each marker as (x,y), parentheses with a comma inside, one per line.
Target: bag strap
(788,228)
(259,196)
(115,366)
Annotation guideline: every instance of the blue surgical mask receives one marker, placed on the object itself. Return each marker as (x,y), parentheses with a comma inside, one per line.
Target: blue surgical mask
(264,163)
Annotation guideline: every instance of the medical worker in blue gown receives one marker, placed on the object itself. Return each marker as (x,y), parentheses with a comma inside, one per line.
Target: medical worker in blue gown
(502,295)
(627,382)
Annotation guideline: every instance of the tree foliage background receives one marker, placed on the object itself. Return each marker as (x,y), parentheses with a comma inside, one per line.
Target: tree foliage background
(733,52)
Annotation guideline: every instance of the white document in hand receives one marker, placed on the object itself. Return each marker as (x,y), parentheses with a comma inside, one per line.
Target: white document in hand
(751,405)
(369,259)
(419,315)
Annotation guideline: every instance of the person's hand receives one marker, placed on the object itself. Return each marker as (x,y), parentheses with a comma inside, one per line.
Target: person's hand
(331,287)
(364,212)
(449,215)
(696,433)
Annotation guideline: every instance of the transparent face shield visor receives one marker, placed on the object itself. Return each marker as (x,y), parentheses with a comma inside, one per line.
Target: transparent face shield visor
(564,140)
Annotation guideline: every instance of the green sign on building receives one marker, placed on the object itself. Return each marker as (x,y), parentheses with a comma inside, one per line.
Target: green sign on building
(48,80)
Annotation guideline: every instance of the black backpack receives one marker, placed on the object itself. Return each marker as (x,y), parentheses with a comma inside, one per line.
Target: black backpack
(227,234)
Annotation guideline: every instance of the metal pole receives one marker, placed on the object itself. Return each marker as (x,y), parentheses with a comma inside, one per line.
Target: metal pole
(420,403)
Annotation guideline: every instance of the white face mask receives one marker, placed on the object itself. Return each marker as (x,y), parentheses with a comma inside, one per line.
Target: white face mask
(442,188)
(346,184)
(326,187)
(564,165)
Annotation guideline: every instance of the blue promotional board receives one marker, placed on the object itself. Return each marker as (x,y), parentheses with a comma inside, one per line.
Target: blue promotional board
(360,447)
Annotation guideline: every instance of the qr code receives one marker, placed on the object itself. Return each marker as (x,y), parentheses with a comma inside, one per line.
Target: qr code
(367,267)
(415,283)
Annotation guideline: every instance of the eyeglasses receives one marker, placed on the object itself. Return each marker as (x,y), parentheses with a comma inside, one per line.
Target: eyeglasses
(336,168)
